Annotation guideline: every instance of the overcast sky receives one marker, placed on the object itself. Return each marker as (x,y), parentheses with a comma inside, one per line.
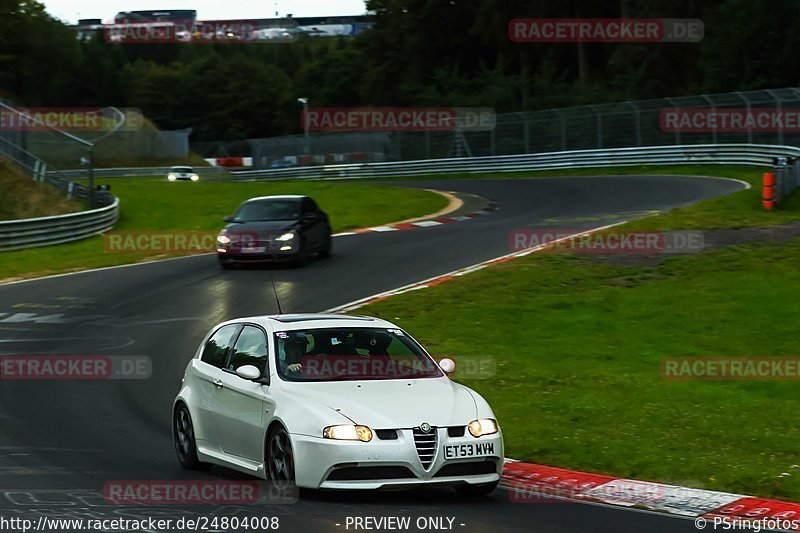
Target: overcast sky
(72,10)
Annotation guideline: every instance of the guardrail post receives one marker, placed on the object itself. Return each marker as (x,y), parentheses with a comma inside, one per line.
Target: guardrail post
(36,169)
(70,186)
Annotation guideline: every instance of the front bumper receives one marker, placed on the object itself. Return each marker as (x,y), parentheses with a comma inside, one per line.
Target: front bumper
(318,458)
(274,257)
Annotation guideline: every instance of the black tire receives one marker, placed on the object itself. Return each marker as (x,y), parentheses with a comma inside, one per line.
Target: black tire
(280,458)
(327,250)
(302,255)
(477,490)
(183,437)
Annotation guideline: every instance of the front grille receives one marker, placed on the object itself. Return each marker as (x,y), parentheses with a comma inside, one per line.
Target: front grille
(471,468)
(426,446)
(363,473)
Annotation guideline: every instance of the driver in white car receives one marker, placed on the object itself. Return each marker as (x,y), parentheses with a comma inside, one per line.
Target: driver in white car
(294,349)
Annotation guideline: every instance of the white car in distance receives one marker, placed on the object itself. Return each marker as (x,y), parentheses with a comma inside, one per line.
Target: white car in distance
(333,402)
(182,174)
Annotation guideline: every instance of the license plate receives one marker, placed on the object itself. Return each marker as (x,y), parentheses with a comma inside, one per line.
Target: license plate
(477,449)
(254,249)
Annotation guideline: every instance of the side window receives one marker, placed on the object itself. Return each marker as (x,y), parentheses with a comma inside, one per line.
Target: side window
(250,349)
(217,346)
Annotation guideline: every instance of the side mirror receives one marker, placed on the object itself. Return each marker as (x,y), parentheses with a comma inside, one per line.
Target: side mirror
(229,219)
(309,216)
(248,372)
(447,365)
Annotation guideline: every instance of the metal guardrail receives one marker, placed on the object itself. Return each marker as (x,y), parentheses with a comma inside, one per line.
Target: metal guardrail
(139,172)
(695,154)
(45,231)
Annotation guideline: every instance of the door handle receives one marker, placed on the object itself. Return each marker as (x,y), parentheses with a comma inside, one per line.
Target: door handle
(218,383)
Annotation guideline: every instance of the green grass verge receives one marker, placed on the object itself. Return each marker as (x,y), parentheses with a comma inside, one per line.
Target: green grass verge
(160,205)
(578,383)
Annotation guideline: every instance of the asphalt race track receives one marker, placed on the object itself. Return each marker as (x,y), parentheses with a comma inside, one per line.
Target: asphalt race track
(62,441)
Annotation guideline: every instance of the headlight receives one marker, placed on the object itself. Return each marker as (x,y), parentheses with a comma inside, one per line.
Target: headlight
(483,426)
(348,432)
(223,239)
(195,177)
(286,237)
(171,177)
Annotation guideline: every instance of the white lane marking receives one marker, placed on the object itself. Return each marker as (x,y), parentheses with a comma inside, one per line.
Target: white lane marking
(426,223)
(382,228)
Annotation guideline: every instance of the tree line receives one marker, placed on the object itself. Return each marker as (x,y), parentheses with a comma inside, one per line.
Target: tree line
(419,53)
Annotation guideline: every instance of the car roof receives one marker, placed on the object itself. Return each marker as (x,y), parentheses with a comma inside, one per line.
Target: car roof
(180,166)
(278,197)
(300,321)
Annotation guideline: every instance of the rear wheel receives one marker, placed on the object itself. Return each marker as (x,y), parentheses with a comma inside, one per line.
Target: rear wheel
(185,444)
(477,490)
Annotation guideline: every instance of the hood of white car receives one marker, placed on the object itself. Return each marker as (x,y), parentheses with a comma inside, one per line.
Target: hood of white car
(385,404)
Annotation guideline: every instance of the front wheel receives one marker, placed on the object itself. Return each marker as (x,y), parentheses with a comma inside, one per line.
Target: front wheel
(477,490)
(327,249)
(280,457)
(185,444)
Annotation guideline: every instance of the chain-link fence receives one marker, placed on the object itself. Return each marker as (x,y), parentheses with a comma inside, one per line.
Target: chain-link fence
(14,146)
(766,116)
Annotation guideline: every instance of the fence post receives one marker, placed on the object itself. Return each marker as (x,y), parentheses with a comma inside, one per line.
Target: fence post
(637,122)
(747,107)
(712,107)
(527,136)
(598,126)
(563,126)
(778,106)
(70,186)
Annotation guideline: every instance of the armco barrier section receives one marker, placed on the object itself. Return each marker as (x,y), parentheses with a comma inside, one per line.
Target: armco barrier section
(45,231)
(696,154)
(104,173)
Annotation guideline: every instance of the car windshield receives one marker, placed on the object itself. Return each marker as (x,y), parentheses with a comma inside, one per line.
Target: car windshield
(181,169)
(351,354)
(268,210)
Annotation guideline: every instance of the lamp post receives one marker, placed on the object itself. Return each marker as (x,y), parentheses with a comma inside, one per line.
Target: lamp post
(304,101)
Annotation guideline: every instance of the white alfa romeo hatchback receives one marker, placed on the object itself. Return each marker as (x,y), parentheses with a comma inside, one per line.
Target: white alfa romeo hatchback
(333,402)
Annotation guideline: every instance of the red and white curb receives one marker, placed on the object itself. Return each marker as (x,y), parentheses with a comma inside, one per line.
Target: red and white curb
(532,483)
(423,223)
